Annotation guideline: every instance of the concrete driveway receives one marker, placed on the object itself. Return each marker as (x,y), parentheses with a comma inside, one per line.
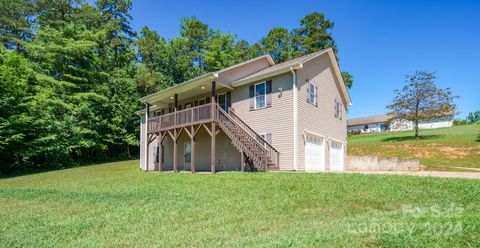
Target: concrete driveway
(448,174)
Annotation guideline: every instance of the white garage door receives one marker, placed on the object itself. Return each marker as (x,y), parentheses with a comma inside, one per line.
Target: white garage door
(336,156)
(314,153)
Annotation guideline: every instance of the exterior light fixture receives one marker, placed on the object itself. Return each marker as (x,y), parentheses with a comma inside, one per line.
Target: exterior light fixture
(171,97)
(203,87)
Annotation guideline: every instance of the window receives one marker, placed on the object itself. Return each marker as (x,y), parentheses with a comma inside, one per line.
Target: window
(265,137)
(338,110)
(188,105)
(158,113)
(365,127)
(202,101)
(222,101)
(260,93)
(312,94)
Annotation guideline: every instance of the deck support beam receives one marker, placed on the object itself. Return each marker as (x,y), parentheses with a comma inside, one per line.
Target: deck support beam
(192,151)
(212,152)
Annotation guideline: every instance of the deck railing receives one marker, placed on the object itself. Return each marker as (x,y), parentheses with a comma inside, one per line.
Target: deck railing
(191,116)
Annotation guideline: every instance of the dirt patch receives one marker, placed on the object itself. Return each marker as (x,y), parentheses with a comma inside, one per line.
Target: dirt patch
(454,152)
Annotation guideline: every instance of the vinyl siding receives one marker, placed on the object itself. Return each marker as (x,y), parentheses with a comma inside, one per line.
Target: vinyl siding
(319,119)
(242,71)
(277,120)
(227,156)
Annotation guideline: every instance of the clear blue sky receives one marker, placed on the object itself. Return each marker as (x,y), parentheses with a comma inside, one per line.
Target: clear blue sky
(379,41)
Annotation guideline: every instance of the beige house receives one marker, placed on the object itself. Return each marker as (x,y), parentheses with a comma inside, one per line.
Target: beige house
(256,115)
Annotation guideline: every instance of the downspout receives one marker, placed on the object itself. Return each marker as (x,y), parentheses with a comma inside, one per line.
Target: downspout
(145,138)
(295,119)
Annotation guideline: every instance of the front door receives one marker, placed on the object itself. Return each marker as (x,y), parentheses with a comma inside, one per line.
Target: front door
(222,101)
(187,156)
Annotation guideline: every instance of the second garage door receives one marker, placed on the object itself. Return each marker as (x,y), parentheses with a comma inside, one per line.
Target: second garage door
(336,156)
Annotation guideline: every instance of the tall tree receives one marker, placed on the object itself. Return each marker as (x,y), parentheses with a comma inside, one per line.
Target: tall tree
(278,43)
(313,34)
(420,99)
(16,17)
(243,51)
(473,117)
(116,41)
(197,35)
(219,53)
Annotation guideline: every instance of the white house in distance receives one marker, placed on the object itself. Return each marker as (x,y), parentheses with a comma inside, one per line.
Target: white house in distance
(380,123)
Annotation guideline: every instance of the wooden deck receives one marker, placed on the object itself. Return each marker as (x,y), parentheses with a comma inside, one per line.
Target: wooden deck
(256,152)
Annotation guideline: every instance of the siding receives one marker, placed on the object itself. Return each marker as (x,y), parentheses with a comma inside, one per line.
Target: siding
(227,156)
(277,120)
(321,119)
(242,71)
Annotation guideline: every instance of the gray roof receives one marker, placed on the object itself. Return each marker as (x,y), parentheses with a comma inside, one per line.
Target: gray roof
(368,120)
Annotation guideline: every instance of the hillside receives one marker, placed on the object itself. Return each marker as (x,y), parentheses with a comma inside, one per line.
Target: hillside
(116,205)
(438,149)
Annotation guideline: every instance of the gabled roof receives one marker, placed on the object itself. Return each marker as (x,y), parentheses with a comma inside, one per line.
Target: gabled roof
(368,120)
(272,70)
(297,64)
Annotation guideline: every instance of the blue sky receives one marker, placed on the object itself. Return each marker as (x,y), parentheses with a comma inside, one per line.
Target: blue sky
(379,41)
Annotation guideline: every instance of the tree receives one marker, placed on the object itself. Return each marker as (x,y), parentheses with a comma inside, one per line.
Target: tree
(243,51)
(313,34)
(16,22)
(420,99)
(473,117)
(278,44)
(219,52)
(197,35)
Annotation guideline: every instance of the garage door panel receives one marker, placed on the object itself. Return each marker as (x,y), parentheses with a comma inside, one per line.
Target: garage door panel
(336,156)
(314,153)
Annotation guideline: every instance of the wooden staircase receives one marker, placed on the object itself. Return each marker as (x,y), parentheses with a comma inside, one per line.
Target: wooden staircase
(258,153)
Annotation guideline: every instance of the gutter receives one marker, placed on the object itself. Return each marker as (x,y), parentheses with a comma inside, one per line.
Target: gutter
(295,114)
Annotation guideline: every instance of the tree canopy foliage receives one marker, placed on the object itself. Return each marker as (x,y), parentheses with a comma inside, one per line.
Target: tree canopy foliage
(420,99)
(71,74)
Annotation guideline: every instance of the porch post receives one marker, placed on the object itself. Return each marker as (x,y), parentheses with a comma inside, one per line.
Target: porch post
(160,151)
(242,161)
(192,151)
(175,150)
(147,115)
(175,133)
(212,152)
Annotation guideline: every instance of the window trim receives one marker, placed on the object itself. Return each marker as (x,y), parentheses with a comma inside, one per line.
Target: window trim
(204,101)
(315,100)
(264,137)
(225,100)
(338,109)
(264,95)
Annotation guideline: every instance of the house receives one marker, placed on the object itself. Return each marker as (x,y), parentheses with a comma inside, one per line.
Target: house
(256,115)
(368,124)
(382,123)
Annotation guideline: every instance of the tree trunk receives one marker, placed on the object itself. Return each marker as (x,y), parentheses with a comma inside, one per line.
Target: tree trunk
(416,129)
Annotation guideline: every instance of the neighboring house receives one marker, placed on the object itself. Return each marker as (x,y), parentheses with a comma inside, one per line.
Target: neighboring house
(368,124)
(382,123)
(256,115)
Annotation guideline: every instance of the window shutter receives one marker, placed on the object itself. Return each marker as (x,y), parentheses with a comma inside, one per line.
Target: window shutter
(335,109)
(251,95)
(229,101)
(316,95)
(269,138)
(268,92)
(308,92)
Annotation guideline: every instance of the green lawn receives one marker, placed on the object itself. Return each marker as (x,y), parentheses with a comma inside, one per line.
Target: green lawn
(436,149)
(116,205)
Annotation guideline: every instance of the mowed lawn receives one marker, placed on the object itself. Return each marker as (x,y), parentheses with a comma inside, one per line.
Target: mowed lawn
(437,149)
(116,205)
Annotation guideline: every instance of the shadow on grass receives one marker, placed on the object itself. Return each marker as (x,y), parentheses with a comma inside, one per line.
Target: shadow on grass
(30,171)
(411,138)
(478,138)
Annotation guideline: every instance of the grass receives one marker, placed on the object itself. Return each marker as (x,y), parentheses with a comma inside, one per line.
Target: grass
(437,149)
(116,205)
